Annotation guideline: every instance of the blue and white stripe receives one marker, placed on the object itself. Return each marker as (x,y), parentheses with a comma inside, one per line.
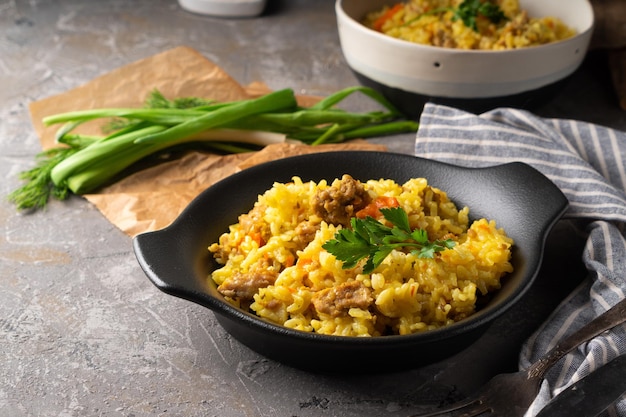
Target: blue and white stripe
(588,163)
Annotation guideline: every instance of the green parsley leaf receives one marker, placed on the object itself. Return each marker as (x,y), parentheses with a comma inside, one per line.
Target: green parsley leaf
(420,236)
(468,11)
(398,217)
(373,241)
(349,246)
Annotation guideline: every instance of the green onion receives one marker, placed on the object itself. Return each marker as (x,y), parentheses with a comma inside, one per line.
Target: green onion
(85,163)
(279,100)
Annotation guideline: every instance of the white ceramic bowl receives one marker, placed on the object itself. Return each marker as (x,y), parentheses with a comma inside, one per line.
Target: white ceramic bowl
(468,76)
(224,8)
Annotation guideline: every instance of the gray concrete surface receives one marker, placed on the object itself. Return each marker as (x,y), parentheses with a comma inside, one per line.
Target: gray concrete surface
(84,333)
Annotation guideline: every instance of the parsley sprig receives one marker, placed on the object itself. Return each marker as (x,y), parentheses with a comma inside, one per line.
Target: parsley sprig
(468,12)
(372,240)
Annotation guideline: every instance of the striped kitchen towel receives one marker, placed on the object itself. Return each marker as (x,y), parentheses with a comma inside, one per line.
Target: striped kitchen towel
(587,162)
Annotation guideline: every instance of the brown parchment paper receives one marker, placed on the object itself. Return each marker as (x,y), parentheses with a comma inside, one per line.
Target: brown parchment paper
(152,198)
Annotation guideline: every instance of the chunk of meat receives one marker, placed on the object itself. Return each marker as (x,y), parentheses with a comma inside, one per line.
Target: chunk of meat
(252,223)
(336,301)
(519,24)
(305,233)
(337,204)
(243,286)
(444,39)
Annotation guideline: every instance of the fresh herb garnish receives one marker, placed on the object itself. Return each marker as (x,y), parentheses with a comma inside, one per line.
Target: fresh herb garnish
(468,11)
(372,240)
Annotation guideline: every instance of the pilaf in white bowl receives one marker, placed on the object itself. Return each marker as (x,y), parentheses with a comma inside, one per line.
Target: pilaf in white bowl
(411,73)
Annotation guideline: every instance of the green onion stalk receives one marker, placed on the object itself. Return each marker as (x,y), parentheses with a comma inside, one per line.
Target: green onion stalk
(82,164)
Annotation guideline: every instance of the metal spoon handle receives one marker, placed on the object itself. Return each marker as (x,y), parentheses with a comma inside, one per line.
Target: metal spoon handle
(605,321)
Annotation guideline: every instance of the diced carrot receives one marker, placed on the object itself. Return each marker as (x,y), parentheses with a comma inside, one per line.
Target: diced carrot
(256,236)
(373,208)
(303,261)
(290,261)
(378,23)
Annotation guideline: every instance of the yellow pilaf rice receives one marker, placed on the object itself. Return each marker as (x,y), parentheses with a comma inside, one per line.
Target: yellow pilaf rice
(408,294)
(411,22)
